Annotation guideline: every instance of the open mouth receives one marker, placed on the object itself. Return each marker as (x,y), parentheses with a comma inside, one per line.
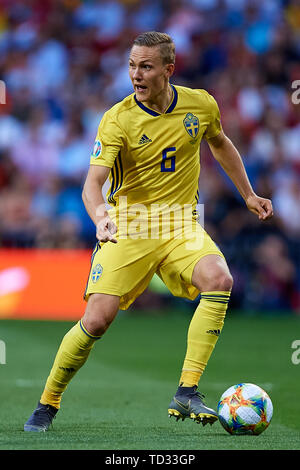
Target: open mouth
(140,88)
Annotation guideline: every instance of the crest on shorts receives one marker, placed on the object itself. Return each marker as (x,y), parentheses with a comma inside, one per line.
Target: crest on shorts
(97,148)
(191,124)
(96,273)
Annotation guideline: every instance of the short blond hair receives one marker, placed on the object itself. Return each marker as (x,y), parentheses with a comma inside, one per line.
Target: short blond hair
(163,40)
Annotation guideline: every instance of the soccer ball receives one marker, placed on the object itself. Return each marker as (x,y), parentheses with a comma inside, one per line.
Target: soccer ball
(245,409)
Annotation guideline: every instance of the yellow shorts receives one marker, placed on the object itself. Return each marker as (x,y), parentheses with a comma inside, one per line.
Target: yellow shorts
(126,268)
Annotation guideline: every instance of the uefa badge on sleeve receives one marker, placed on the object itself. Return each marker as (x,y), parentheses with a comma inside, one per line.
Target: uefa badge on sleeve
(97,148)
(96,273)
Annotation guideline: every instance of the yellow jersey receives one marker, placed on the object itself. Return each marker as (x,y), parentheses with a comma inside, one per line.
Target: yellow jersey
(154,158)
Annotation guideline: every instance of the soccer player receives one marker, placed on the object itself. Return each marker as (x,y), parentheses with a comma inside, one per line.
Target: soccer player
(148,145)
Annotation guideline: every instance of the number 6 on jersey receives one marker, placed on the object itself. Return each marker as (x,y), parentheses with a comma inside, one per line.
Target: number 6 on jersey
(168,163)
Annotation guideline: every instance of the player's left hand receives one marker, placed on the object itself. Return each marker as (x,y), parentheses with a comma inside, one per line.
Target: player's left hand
(260,206)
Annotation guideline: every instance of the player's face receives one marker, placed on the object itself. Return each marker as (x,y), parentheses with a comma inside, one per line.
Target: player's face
(149,75)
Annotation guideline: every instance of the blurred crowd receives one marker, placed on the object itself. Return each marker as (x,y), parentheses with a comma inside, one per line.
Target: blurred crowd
(64,63)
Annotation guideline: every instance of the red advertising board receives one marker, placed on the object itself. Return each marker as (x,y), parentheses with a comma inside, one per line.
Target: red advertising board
(43,284)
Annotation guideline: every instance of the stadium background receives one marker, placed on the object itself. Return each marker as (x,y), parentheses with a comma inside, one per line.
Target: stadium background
(65,62)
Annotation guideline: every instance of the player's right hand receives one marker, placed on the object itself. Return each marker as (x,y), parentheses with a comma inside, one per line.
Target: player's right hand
(105,230)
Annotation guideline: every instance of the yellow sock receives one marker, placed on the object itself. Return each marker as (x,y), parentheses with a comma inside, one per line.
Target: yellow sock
(204,330)
(71,355)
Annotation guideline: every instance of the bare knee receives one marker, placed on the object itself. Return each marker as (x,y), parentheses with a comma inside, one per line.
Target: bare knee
(222,281)
(212,275)
(219,281)
(100,312)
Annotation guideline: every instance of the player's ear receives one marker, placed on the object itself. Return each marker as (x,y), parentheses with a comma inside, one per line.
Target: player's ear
(170,70)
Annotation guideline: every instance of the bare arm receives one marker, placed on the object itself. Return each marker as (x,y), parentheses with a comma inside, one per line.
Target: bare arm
(94,203)
(229,158)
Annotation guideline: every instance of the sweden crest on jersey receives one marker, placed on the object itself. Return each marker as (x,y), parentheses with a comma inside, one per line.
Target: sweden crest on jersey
(191,124)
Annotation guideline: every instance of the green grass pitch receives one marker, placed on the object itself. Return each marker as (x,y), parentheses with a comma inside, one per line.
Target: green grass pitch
(119,399)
